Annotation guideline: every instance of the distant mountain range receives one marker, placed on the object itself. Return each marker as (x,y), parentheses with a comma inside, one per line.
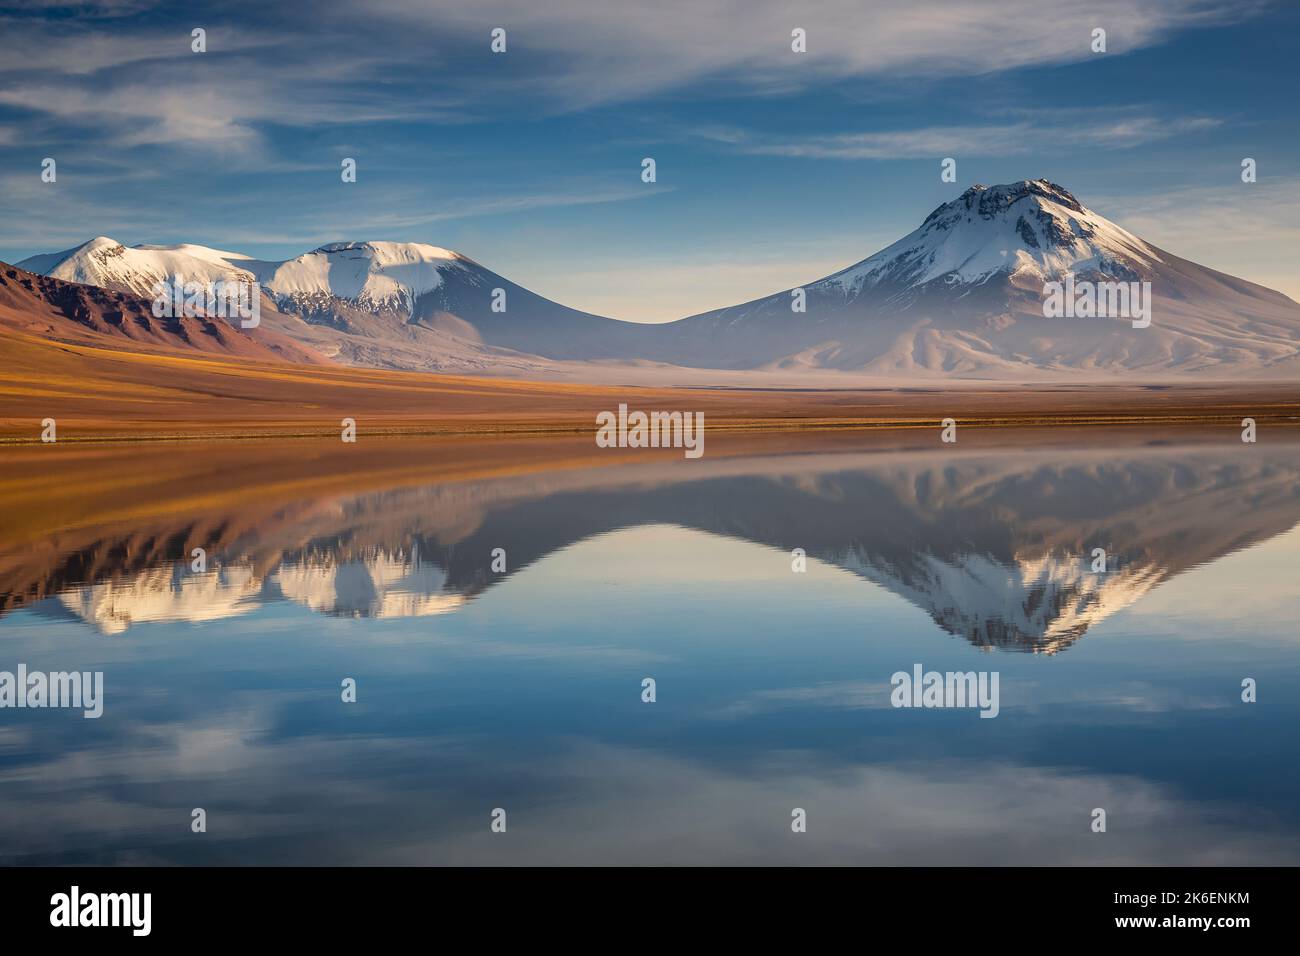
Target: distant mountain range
(959,297)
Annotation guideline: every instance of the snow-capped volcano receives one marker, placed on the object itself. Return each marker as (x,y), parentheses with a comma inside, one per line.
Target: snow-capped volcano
(962,296)
(1031,229)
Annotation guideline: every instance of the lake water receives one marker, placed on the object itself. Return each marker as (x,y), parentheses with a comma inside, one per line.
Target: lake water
(521,689)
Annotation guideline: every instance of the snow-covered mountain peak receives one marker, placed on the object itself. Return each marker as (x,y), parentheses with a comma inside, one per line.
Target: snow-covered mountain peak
(374,275)
(109,264)
(992,200)
(206,253)
(1032,228)
(371,275)
(389,253)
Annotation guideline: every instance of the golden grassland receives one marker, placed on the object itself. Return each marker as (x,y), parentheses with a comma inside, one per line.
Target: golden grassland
(105,394)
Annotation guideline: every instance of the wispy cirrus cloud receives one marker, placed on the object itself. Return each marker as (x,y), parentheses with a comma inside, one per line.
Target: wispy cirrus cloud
(392,214)
(194,111)
(597,52)
(461,209)
(994,139)
(89,9)
(410,60)
(123,87)
(1246,229)
(84,207)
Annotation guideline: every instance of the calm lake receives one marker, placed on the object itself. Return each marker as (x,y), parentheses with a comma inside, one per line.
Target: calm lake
(499,632)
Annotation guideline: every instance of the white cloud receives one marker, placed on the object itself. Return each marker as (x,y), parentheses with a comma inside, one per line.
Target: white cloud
(1003,139)
(1249,230)
(602,52)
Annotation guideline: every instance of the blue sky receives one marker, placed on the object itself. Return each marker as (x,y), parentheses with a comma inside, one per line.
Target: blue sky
(774,168)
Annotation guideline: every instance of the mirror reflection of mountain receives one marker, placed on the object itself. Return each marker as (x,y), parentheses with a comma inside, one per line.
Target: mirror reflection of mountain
(997,547)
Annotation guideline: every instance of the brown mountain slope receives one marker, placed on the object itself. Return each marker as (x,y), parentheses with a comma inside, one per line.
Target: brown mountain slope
(69,312)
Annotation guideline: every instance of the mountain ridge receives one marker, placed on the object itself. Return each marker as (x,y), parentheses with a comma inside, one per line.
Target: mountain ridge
(961,296)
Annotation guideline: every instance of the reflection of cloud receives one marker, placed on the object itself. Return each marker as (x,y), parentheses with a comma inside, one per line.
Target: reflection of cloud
(1099,704)
(425,800)
(850,695)
(632,807)
(1133,697)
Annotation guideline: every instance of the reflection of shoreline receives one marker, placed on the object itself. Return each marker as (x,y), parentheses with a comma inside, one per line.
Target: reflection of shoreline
(1221,416)
(68,491)
(994,547)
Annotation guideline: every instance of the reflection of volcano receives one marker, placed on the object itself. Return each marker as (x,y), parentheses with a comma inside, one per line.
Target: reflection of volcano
(1041,604)
(164,594)
(995,547)
(383,585)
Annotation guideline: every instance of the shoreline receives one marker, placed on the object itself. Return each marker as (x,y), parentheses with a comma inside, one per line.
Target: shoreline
(506,431)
